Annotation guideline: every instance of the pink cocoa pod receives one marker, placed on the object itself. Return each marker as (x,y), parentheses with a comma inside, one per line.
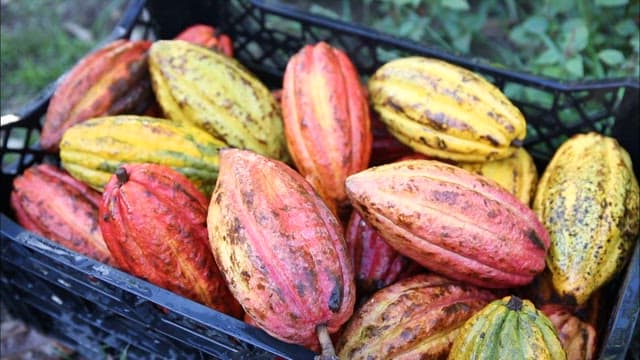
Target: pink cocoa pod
(452,222)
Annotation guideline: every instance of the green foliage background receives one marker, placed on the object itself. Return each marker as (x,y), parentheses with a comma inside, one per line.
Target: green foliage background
(565,39)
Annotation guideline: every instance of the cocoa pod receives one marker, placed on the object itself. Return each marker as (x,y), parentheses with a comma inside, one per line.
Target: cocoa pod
(589,200)
(516,173)
(375,263)
(217,94)
(281,250)
(152,238)
(326,121)
(207,36)
(112,80)
(93,150)
(51,203)
(385,147)
(445,111)
(578,338)
(452,222)
(415,318)
(508,328)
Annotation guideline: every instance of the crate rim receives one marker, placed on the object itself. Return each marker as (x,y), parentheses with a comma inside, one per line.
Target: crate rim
(133,12)
(540,81)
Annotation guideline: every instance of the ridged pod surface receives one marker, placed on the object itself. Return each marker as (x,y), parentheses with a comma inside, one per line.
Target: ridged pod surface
(280,248)
(452,221)
(216,93)
(578,338)
(445,111)
(588,199)
(207,36)
(110,81)
(508,328)
(415,318)
(154,221)
(92,150)
(517,173)
(375,263)
(51,203)
(326,119)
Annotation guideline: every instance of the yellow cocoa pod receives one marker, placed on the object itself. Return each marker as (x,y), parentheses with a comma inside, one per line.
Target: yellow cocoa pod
(216,93)
(92,151)
(587,198)
(517,173)
(445,111)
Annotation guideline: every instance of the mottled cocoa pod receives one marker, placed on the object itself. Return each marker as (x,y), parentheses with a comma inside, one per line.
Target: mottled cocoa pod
(452,221)
(415,318)
(588,198)
(578,338)
(375,263)
(110,81)
(207,36)
(51,203)
(281,250)
(326,121)
(153,220)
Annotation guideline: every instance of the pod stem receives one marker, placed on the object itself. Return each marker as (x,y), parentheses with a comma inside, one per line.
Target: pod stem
(328,352)
(122,176)
(514,303)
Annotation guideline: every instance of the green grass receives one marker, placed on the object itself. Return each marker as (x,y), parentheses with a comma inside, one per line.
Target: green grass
(36,48)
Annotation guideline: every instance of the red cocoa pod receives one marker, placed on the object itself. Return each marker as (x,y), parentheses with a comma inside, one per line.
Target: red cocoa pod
(452,221)
(280,248)
(578,338)
(207,36)
(415,318)
(326,120)
(112,80)
(51,203)
(375,263)
(153,220)
(385,148)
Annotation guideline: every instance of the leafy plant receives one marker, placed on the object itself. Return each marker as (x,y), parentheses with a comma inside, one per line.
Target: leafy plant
(564,39)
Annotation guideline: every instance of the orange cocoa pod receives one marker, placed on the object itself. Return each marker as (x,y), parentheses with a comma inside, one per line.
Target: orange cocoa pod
(281,250)
(452,222)
(207,36)
(375,263)
(153,220)
(51,203)
(326,120)
(578,338)
(112,80)
(415,318)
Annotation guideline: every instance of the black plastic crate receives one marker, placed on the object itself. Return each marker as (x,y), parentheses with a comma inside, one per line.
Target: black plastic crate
(100,311)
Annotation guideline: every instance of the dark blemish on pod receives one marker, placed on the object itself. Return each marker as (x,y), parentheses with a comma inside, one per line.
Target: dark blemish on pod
(456,308)
(449,197)
(533,237)
(335,299)
(300,288)
(492,140)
